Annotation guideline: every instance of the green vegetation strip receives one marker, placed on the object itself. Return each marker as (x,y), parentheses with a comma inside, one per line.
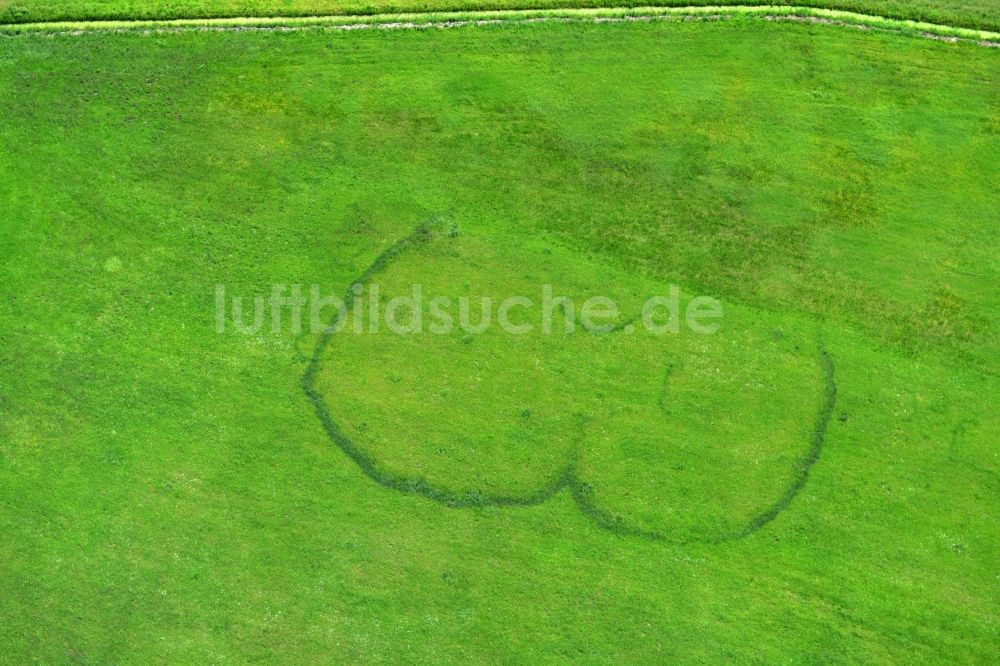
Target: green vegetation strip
(460,18)
(968,13)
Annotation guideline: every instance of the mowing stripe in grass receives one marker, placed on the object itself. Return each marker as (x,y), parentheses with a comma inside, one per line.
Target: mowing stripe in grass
(815,449)
(489,17)
(583,494)
(365,462)
(580,491)
(661,401)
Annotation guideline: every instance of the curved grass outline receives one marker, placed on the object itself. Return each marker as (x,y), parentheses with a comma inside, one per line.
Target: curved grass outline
(625,325)
(448,19)
(581,491)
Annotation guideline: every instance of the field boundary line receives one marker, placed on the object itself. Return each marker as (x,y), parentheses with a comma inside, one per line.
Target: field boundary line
(452,19)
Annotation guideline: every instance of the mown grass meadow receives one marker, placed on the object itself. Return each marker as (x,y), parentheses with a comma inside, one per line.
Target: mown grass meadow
(980,14)
(170,493)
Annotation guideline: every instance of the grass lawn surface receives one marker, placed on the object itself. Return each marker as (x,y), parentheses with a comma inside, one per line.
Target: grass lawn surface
(169,493)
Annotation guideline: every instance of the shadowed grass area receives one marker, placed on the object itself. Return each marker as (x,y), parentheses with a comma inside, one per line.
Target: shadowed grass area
(169,494)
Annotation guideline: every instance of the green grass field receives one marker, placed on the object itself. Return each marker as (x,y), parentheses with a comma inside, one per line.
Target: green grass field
(815,482)
(970,13)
